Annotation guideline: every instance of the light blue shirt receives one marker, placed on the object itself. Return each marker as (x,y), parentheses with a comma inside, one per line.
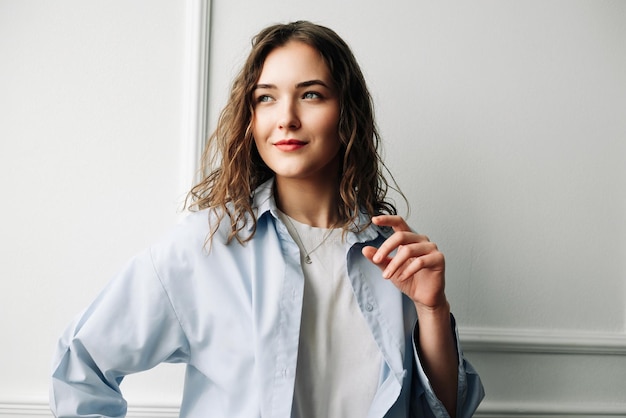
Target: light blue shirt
(232,314)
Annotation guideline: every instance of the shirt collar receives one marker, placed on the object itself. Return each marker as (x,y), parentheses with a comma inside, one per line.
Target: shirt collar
(263,201)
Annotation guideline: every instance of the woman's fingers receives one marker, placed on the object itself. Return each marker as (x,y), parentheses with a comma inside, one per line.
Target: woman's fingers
(396,222)
(409,254)
(369,252)
(432,261)
(396,241)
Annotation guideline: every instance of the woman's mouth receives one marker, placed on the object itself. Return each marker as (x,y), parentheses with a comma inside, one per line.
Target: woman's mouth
(289,144)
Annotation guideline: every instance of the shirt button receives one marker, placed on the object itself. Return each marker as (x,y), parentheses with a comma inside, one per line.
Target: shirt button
(369,307)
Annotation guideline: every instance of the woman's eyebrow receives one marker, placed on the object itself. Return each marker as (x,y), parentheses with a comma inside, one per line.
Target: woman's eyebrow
(264,86)
(299,85)
(312,83)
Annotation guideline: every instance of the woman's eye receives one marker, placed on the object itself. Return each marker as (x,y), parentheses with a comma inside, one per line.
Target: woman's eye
(311,95)
(263,98)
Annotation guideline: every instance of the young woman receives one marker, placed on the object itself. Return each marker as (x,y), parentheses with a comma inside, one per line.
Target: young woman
(293,289)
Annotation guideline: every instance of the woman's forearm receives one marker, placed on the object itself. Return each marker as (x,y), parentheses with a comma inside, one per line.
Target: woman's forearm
(438,353)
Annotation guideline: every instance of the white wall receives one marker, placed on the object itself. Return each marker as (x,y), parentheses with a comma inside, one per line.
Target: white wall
(90,155)
(505,125)
(503,122)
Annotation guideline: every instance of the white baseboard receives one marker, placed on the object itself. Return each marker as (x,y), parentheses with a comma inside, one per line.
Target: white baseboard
(486,410)
(36,409)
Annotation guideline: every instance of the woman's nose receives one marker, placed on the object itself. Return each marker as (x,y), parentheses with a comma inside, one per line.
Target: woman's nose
(289,118)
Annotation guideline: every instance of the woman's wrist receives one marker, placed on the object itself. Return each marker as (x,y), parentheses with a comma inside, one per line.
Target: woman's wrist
(438,311)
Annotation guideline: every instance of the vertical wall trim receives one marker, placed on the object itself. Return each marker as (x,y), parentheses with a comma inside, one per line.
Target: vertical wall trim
(195,91)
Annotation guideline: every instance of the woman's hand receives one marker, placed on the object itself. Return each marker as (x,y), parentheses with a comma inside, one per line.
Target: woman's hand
(417,268)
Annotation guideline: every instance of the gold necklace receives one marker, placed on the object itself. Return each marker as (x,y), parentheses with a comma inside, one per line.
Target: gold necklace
(307,254)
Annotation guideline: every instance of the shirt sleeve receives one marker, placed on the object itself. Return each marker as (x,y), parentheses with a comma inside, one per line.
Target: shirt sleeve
(470,389)
(130,327)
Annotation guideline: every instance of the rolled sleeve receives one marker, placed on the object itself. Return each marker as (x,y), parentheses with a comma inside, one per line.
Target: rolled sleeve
(470,391)
(130,327)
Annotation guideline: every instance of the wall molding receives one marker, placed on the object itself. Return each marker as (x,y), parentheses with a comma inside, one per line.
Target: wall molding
(195,91)
(542,341)
(548,410)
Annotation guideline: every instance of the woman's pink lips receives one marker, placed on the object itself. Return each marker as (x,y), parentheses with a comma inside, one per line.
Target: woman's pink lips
(289,144)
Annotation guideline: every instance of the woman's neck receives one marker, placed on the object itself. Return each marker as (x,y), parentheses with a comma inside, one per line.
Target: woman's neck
(313,204)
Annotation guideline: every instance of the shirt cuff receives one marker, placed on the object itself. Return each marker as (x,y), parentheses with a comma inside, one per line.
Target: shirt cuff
(433,402)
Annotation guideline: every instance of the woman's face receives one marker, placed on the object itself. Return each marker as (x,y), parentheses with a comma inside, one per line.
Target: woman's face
(296,115)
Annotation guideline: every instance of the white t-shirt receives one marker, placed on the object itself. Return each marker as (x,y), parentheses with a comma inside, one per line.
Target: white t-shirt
(338,361)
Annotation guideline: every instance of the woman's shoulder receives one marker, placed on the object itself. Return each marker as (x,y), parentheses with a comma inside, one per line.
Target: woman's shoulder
(185,239)
(192,237)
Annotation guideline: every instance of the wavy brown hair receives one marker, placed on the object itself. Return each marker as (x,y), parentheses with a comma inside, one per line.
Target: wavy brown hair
(232,168)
